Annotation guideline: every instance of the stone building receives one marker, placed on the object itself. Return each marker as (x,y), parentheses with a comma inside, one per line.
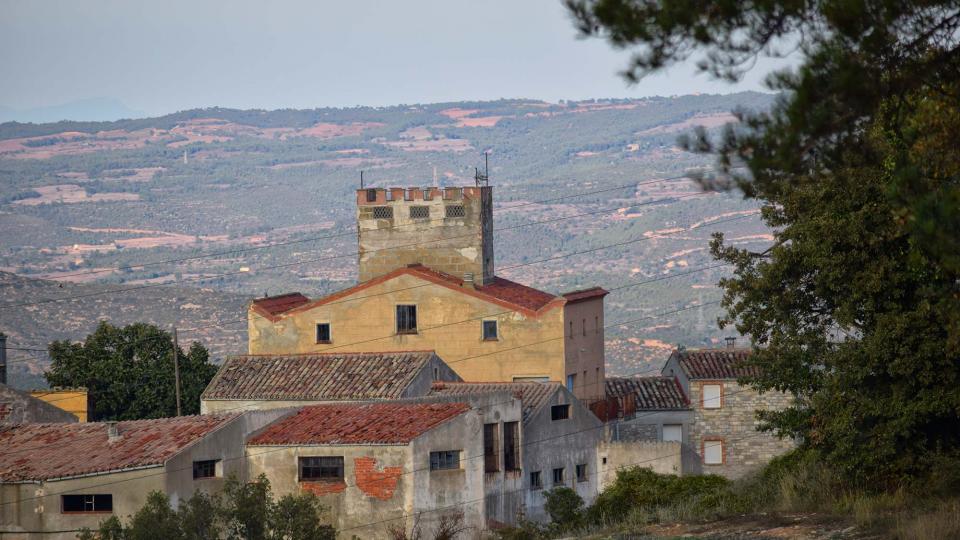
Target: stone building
(57,478)
(427,283)
(18,407)
(277,381)
(559,434)
(385,466)
(723,434)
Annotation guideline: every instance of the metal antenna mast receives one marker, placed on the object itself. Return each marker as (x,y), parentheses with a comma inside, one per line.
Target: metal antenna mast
(485,177)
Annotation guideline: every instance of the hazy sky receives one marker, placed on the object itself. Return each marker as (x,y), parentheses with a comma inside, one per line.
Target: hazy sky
(160,56)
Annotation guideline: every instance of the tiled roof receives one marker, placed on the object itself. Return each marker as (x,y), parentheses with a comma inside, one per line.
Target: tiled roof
(532,394)
(48,451)
(274,305)
(324,376)
(499,291)
(585,294)
(715,363)
(651,393)
(356,423)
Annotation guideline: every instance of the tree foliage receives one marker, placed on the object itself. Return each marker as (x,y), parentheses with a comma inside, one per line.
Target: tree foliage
(129,372)
(854,308)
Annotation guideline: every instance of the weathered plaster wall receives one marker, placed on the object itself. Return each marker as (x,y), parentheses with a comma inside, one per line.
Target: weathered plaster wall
(448,322)
(661,457)
(74,401)
(735,423)
(18,407)
(584,348)
(455,245)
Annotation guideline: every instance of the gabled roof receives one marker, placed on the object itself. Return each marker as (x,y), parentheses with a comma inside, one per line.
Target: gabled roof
(585,294)
(275,305)
(532,395)
(499,291)
(50,451)
(714,363)
(650,393)
(357,423)
(321,377)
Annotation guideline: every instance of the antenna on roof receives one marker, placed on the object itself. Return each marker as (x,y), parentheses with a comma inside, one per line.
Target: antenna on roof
(485,177)
(361,178)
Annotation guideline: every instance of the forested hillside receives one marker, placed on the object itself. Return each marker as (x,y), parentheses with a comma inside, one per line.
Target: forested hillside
(204,197)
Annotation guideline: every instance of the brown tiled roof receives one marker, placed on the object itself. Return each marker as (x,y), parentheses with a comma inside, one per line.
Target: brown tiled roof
(532,394)
(275,305)
(650,393)
(715,363)
(356,423)
(585,294)
(321,377)
(499,291)
(48,451)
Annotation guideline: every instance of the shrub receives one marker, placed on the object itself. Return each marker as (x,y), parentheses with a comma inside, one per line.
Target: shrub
(639,488)
(564,507)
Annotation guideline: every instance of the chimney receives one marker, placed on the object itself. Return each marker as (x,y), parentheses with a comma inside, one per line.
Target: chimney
(468,280)
(3,358)
(113,431)
(731,342)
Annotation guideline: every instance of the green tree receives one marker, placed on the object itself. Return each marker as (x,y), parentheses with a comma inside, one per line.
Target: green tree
(564,507)
(855,308)
(129,372)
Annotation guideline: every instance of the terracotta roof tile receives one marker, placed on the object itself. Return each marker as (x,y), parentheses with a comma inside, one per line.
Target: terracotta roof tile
(515,293)
(532,394)
(585,294)
(354,423)
(650,393)
(328,376)
(275,305)
(47,451)
(715,363)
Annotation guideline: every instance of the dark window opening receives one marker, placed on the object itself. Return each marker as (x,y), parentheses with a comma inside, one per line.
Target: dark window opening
(571,329)
(323,332)
(490,448)
(371,195)
(444,460)
(383,212)
(560,412)
(419,212)
(584,327)
(511,446)
(406,319)
(455,211)
(321,468)
(596,323)
(87,503)
(535,481)
(490,330)
(582,472)
(558,476)
(205,469)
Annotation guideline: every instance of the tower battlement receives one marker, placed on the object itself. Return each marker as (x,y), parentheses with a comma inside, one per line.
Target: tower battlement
(448,229)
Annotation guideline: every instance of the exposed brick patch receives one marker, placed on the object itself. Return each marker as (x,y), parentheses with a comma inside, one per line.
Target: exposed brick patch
(373,482)
(321,488)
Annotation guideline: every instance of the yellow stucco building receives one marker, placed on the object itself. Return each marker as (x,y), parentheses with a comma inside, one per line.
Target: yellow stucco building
(72,400)
(426,261)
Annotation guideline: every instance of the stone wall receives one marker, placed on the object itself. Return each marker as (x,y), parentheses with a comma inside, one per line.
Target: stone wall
(661,457)
(735,424)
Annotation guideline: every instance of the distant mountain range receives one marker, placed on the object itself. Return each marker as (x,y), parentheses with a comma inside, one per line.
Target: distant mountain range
(84,110)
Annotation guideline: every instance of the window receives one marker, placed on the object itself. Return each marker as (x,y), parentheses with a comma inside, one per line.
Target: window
(596,324)
(558,476)
(571,381)
(584,327)
(560,412)
(323,332)
(511,446)
(489,330)
(455,211)
(205,469)
(371,195)
(713,452)
(536,482)
(406,319)
(604,460)
(444,460)
(672,432)
(571,330)
(712,396)
(490,448)
(86,503)
(582,472)
(436,374)
(321,468)
(419,212)
(382,212)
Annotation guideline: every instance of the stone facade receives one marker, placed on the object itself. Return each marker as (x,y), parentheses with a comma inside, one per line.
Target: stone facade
(450,230)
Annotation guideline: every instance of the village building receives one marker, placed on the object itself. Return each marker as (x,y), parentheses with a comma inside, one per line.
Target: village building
(17,407)
(72,400)
(277,381)
(427,282)
(723,434)
(382,467)
(559,434)
(58,478)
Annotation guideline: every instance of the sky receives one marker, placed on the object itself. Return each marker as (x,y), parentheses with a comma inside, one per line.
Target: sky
(163,56)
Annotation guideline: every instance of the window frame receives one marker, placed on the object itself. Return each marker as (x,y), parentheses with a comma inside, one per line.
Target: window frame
(663,431)
(321,475)
(723,450)
(383,209)
(420,208)
(448,214)
(563,474)
(491,447)
(511,446)
(329,333)
(703,395)
(201,464)
(406,331)
(581,472)
(562,406)
(496,330)
(445,460)
(536,480)
(92,502)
